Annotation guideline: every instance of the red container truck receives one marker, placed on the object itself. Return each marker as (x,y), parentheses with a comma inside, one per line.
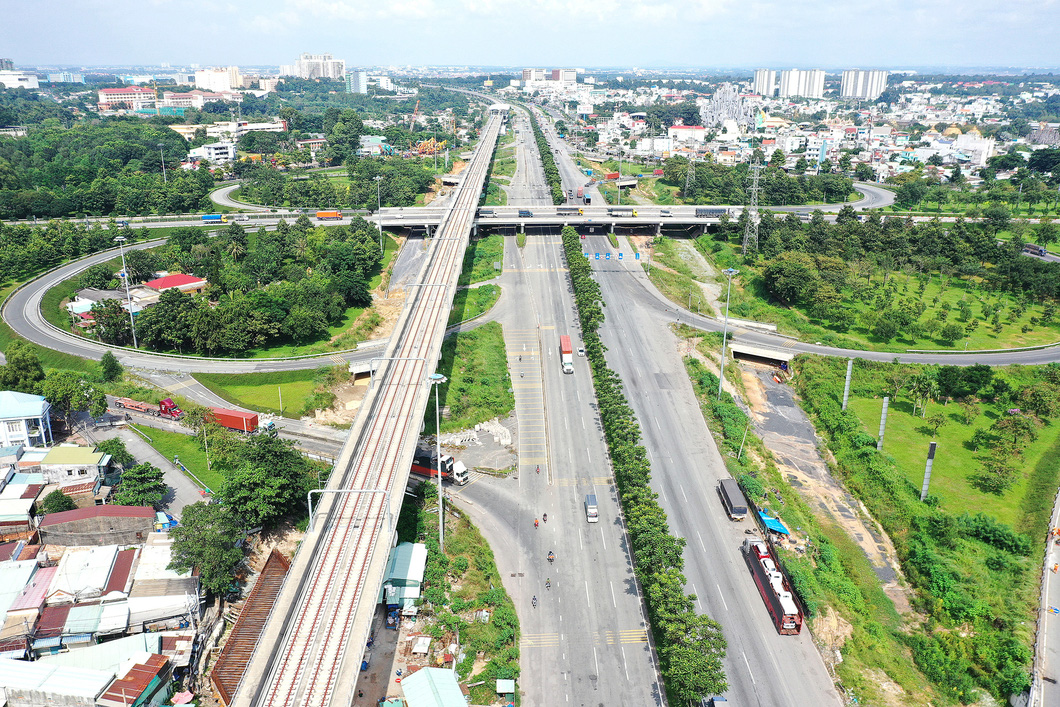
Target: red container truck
(566,354)
(773,585)
(612,175)
(166,408)
(581,192)
(246,422)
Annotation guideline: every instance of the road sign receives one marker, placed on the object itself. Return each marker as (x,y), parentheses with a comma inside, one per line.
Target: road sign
(1054,610)
(620,256)
(636,256)
(607,256)
(597,256)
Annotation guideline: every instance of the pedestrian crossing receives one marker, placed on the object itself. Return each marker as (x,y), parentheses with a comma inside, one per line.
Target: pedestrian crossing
(588,483)
(600,638)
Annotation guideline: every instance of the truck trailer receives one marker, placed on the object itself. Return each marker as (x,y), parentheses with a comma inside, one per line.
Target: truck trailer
(166,408)
(566,354)
(424,464)
(773,585)
(214,218)
(329,216)
(245,422)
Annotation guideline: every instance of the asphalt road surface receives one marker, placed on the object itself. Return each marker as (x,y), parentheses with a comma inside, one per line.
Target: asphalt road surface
(586,642)
(763,667)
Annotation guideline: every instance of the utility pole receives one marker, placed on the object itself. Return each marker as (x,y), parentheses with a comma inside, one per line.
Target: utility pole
(750,235)
(689,176)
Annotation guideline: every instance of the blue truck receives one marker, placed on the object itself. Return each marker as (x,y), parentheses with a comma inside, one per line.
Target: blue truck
(214,218)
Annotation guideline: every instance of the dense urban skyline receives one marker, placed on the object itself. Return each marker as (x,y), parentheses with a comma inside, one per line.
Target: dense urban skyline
(635,33)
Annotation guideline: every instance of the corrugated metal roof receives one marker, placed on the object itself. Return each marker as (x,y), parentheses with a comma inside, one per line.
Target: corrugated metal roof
(83,571)
(21,405)
(73,455)
(15,509)
(235,655)
(19,675)
(52,620)
(433,687)
(108,656)
(26,478)
(13,578)
(408,561)
(82,619)
(107,511)
(36,590)
(120,572)
(115,617)
(155,557)
(135,682)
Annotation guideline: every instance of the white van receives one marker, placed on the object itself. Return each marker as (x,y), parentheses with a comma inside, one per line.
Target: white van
(592,515)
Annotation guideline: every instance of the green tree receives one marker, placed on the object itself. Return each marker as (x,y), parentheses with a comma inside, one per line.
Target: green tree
(776,159)
(111,322)
(68,392)
(57,502)
(792,277)
(206,540)
(97,276)
(936,421)
(109,368)
(141,485)
(801,165)
(23,372)
(117,451)
(270,481)
(863,172)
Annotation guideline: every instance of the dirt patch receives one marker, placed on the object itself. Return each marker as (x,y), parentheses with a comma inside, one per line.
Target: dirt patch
(348,398)
(890,692)
(788,434)
(830,632)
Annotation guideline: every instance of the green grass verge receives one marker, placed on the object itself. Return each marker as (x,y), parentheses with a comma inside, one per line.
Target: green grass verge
(680,289)
(479,259)
(189,449)
(495,196)
(262,391)
(479,387)
(520,239)
(504,168)
(470,303)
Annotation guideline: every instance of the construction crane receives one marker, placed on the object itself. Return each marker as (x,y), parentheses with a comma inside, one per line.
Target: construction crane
(412,120)
(430,146)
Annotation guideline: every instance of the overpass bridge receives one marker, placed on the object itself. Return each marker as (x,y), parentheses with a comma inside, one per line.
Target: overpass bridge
(310,650)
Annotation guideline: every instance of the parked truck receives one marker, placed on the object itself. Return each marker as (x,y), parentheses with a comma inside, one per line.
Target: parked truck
(245,422)
(733,499)
(773,585)
(566,354)
(329,216)
(424,464)
(214,218)
(166,408)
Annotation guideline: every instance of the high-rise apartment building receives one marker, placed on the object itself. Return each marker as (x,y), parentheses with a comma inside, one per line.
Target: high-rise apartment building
(864,85)
(316,66)
(66,77)
(533,75)
(564,75)
(218,80)
(796,83)
(765,82)
(357,82)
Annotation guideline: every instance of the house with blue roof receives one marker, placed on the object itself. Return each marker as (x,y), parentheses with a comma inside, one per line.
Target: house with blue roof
(25,419)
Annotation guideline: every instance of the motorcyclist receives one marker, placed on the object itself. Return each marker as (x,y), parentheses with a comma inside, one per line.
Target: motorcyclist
(534,601)
(551,556)
(535,522)
(548,584)
(544,517)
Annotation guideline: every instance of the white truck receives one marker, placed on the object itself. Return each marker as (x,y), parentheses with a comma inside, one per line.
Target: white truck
(566,354)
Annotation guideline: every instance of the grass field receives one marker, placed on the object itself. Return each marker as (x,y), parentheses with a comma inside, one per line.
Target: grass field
(479,260)
(504,168)
(495,196)
(479,387)
(906,440)
(170,444)
(470,303)
(262,391)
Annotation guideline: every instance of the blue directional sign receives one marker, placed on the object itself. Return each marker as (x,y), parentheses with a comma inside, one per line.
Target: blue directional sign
(607,256)
(587,257)
(597,256)
(620,256)
(636,256)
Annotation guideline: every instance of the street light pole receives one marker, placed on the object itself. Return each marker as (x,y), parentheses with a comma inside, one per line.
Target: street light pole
(164,178)
(128,297)
(725,329)
(378,207)
(436,380)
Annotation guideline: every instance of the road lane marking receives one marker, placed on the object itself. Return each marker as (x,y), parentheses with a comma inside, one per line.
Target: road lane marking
(722,597)
(625,666)
(682,487)
(701,543)
(587,600)
(749,671)
(613,602)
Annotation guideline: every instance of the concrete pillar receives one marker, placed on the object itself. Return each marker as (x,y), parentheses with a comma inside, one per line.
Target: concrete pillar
(927,472)
(658,229)
(846,388)
(883,424)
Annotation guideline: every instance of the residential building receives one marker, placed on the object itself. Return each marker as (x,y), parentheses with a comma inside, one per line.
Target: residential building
(218,80)
(25,419)
(29,684)
(68,465)
(404,577)
(533,75)
(180,281)
(18,79)
(685,133)
(863,85)
(796,83)
(130,96)
(229,130)
(316,66)
(385,83)
(197,99)
(432,687)
(215,152)
(66,77)
(18,504)
(564,75)
(765,82)
(7,65)
(98,525)
(357,82)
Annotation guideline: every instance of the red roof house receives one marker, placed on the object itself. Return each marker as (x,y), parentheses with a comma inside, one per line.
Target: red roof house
(180,281)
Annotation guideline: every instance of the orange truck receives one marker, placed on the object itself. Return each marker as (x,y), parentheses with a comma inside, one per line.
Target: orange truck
(329,216)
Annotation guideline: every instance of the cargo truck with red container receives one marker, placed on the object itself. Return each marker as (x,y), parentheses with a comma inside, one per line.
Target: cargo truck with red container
(566,354)
(165,408)
(581,192)
(424,464)
(245,422)
(773,585)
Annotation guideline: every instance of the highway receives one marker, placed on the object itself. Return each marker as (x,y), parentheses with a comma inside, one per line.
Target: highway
(312,646)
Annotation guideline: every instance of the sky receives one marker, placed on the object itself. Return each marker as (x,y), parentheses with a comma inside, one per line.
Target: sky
(540,33)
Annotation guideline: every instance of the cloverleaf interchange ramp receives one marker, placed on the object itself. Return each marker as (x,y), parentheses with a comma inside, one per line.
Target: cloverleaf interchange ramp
(312,646)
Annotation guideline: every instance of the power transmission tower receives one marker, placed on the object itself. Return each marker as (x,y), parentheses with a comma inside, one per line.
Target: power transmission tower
(689,176)
(750,235)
